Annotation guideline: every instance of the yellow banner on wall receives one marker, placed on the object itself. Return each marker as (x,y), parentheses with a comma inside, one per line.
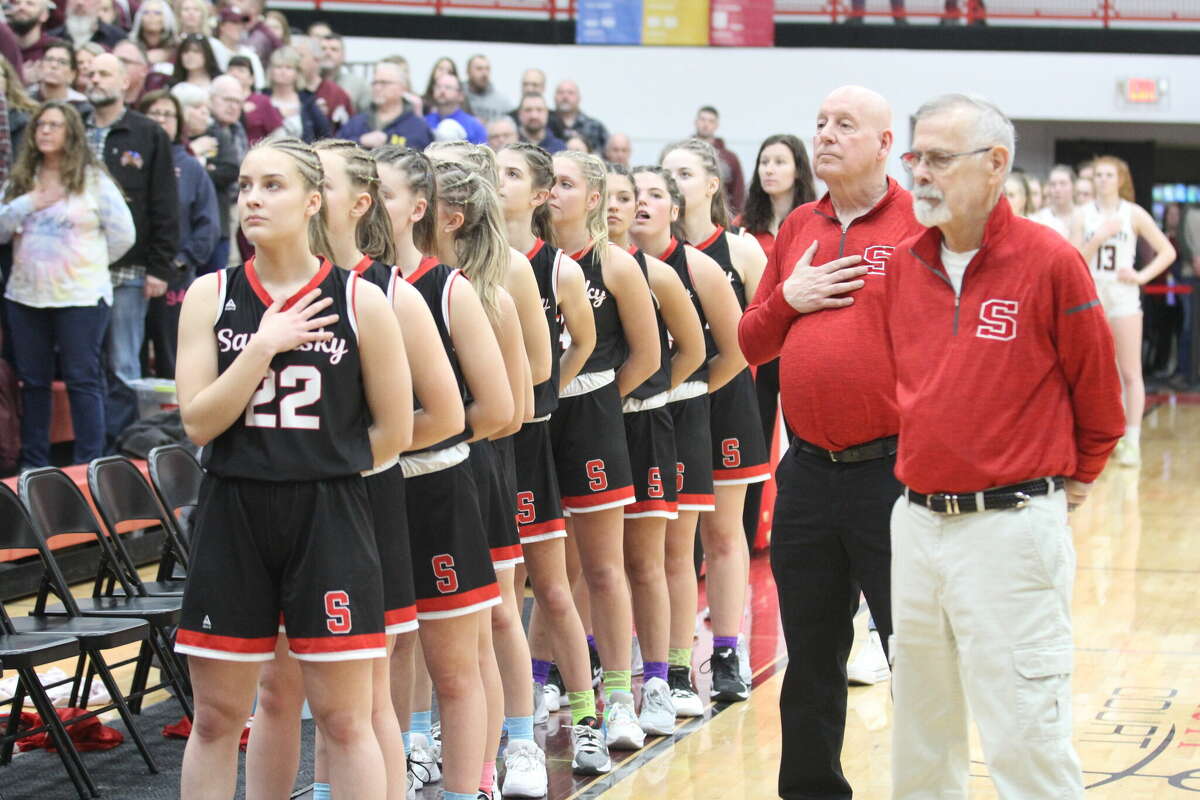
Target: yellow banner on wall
(675,22)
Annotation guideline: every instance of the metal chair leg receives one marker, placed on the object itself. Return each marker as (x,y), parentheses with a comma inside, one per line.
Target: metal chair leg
(106,677)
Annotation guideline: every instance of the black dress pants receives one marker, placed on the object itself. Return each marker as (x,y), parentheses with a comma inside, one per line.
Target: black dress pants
(831,536)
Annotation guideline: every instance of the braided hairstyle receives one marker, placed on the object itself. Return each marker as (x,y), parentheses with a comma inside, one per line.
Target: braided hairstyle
(541,176)
(719,211)
(418,171)
(673,192)
(480,246)
(373,234)
(308,165)
(591,168)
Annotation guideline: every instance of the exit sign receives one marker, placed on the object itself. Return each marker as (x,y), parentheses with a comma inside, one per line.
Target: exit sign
(1134,92)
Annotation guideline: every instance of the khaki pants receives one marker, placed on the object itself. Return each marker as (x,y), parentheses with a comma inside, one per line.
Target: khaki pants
(981,612)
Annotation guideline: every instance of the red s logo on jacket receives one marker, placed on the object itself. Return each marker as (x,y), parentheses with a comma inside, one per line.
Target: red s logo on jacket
(998,320)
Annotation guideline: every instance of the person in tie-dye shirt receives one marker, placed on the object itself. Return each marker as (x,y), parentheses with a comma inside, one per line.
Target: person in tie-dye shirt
(68,221)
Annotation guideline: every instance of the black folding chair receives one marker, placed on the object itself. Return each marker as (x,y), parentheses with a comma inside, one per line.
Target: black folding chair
(122,495)
(57,507)
(23,652)
(93,636)
(176,476)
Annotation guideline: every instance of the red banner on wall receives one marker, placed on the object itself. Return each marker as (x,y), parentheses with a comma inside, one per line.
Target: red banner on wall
(743,23)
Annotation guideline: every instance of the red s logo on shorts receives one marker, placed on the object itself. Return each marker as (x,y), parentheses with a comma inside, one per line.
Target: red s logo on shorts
(526,513)
(654,484)
(443,570)
(731,456)
(679,477)
(337,611)
(597,480)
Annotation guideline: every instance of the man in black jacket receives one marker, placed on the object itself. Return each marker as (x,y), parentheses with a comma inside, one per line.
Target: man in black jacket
(137,153)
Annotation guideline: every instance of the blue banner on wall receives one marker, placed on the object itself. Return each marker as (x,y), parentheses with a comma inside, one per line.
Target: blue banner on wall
(608,22)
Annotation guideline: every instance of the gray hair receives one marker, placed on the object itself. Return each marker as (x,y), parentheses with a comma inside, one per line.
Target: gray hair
(301,42)
(189,94)
(992,126)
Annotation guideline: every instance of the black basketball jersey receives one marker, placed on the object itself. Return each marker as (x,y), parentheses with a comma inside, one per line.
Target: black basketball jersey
(309,418)
(611,347)
(376,272)
(434,281)
(716,247)
(676,257)
(545,262)
(660,381)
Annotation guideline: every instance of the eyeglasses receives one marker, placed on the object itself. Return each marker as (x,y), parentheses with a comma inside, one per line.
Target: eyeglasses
(936,160)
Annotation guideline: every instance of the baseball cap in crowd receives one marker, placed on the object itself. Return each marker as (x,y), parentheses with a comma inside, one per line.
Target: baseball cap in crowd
(234,14)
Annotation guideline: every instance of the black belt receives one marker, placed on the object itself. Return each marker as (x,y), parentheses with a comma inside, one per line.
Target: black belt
(867,451)
(1016,495)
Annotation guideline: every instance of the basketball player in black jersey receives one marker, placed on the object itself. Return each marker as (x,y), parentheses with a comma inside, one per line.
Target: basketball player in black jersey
(656,229)
(590,454)
(740,454)
(289,374)
(526,176)
(454,575)
(358,224)
(650,436)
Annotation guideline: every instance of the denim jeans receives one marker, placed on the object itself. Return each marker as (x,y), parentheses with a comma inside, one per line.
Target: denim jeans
(125,336)
(78,333)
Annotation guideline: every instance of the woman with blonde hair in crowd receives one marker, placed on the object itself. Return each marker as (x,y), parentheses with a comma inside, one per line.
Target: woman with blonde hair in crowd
(1106,233)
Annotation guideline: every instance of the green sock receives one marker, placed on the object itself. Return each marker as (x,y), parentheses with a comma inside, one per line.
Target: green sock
(617,680)
(583,704)
(680,657)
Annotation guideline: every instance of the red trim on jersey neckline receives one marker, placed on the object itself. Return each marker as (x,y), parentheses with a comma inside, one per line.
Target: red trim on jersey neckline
(225,644)
(537,248)
(632,249)
(710,239)
(598,499)
(336,643)
(506,553)
(753,471)
(363,265)
(452,602)
(581,253)
(426,264)
(265,296)
(400,616)
(670,249)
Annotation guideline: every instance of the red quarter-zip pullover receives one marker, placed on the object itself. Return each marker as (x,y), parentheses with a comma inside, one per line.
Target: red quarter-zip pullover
(1014,380)
(835,374)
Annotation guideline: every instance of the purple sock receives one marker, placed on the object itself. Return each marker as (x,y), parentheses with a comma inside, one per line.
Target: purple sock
(592,642)
(541,671)
(654,669)
(724,641)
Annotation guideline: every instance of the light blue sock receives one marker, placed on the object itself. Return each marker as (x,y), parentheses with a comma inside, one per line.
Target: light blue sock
(407,737)
(321,792)
(459,795)
(422,722)
(519,728)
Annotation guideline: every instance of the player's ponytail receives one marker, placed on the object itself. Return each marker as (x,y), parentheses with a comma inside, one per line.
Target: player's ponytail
(719,211)
(373,234)
(308,165)
(541,177)
(418,172)
(479,244)
(595,176)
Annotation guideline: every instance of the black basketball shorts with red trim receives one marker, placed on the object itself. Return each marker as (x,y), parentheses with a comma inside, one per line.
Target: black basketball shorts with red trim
(650,437)
(452,563)
(739,451)
(305,550)
(496,505)
(693,454)
(386,491)
(590,455)
(538,502)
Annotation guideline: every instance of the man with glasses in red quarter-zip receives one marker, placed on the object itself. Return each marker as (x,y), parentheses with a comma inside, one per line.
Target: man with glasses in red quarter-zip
(817,308)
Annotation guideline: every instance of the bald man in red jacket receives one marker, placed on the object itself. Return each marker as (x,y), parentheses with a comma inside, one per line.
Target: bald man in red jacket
(1009,405)
(817,308)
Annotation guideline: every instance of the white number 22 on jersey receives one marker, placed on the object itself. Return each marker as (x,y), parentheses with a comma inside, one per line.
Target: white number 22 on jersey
(289,407)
